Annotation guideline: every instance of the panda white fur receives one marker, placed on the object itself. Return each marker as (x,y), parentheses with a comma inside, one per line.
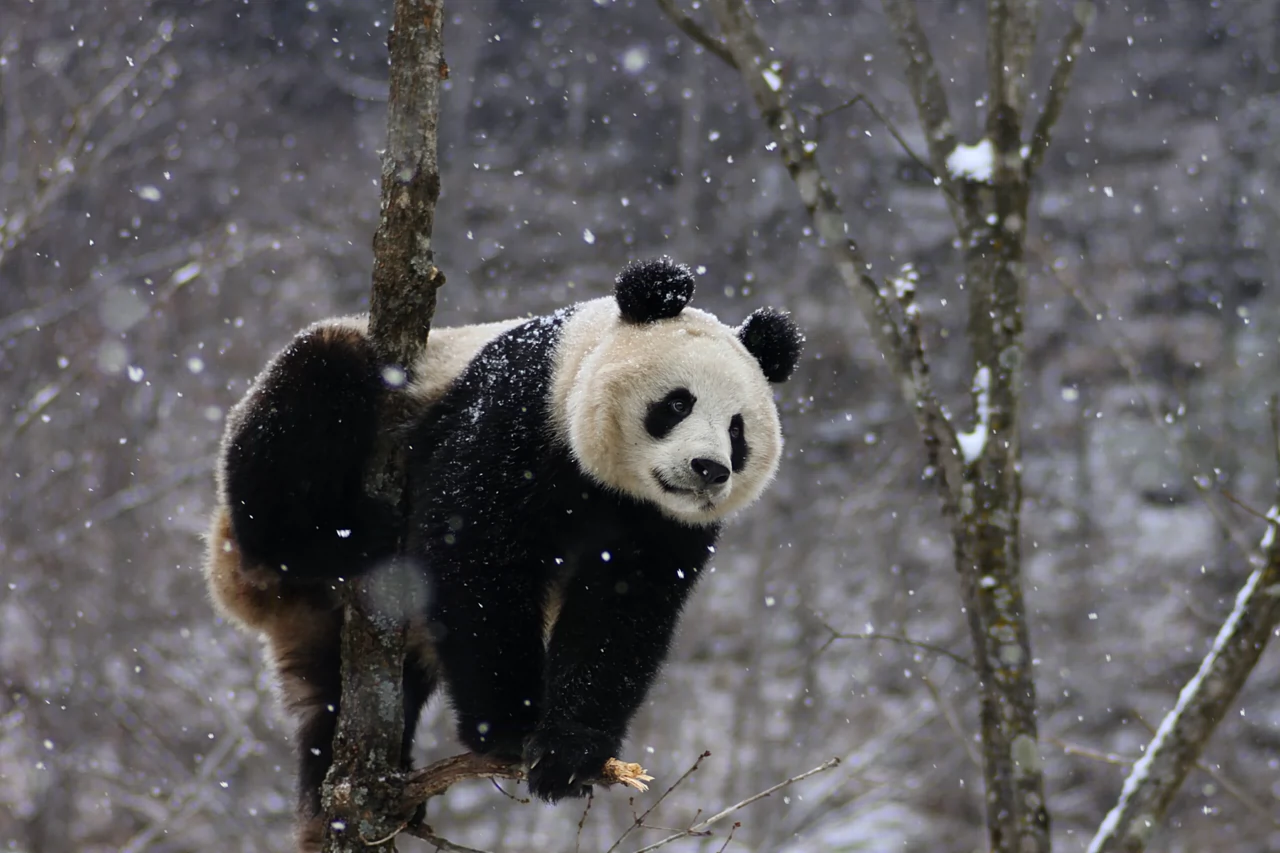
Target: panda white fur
(568,476)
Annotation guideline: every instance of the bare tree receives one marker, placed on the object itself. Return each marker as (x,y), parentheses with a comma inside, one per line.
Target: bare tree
(986,186)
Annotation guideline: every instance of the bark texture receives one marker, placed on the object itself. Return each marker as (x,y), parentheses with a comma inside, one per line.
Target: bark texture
(365,785)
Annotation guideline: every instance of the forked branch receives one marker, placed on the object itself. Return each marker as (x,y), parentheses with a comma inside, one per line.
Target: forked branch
(888,319)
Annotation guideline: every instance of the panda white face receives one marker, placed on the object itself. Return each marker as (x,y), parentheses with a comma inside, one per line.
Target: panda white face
(697,443)
(675,412)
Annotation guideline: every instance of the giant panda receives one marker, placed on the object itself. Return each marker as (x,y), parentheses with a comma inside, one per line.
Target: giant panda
(568,477)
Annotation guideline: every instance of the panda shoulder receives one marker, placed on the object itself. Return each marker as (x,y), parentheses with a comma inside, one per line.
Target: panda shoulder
(449,350)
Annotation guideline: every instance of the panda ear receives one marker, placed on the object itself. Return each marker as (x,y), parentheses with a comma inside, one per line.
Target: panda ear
(775,340)
(653,290)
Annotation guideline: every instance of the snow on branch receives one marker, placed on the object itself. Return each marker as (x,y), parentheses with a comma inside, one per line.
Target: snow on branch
(1203,702)
(973,442)
(972,162)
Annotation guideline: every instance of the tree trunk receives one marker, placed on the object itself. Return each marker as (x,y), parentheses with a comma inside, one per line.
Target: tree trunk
(364,789)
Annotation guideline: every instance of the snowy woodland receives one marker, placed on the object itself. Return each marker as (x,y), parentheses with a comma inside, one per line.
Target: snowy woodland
(185,184)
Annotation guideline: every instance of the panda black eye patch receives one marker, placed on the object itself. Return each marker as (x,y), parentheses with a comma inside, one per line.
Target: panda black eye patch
(664,414)
(738,449)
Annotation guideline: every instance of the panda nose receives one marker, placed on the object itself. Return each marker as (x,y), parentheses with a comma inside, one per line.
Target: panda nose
(711,471)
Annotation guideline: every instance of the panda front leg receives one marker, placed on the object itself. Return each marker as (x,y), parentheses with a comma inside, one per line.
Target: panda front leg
(612,635)
(488,621)
(294,456)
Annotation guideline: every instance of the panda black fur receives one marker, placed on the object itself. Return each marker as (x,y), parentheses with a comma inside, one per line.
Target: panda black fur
(568,477)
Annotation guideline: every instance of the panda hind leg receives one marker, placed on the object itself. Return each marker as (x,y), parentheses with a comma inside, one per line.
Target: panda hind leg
(313,688)
(295,455)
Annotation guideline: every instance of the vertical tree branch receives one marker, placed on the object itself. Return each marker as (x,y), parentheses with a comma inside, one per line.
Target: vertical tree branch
(1011,39)
(405,277)
(363,791)
(987,533)
(1060,84)
(930,98)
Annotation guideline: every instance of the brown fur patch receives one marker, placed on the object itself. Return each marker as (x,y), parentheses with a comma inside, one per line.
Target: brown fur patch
(309,834)
(254,598)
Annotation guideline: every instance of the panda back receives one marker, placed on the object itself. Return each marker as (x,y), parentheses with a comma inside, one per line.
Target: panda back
(485,453)
(449,350)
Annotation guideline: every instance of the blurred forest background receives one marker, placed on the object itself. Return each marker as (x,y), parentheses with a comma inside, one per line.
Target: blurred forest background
(184,184)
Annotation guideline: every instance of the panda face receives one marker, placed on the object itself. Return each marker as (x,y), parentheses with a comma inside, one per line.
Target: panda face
(674,412)
(697,445)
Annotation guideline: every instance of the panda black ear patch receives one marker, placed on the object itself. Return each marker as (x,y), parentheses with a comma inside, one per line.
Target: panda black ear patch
(775,340)
(653,290)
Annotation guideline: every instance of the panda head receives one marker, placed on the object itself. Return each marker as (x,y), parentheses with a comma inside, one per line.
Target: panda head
(667,404)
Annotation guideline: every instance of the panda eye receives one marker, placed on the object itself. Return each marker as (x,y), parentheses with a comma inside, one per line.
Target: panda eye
(735,429)
(664,415)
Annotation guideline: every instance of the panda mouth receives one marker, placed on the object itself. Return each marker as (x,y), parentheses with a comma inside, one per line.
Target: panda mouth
(670,488)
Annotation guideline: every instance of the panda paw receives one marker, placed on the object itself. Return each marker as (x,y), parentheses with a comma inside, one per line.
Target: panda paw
(563,759)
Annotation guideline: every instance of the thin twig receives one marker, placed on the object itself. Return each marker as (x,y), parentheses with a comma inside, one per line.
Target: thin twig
(1059,84)
(1118,343)
(906,641)
(510,796)
(1261,516)
(1089,752)
(696,31)
(911,153)
(884,120)
(737,824)
(425,833)
(953,722)
(928,94)
(582,821)
(721,815)
(639,821)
